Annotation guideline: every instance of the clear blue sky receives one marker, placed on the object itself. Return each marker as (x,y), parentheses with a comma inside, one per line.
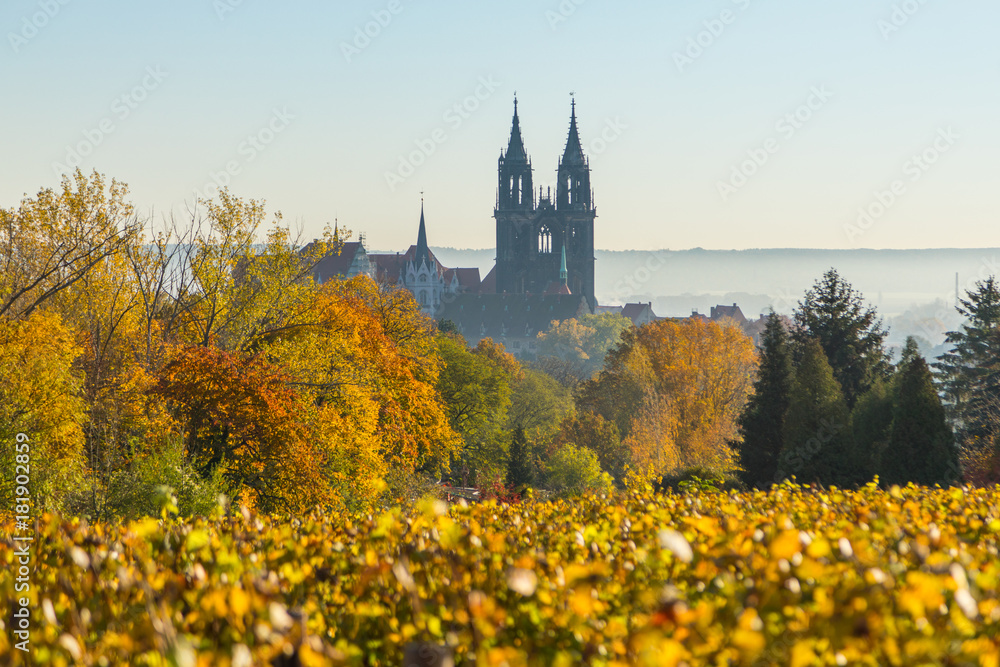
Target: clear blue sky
(337,124)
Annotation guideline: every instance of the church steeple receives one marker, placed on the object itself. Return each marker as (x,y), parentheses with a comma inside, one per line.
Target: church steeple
(573,155)
(573,189)
(515,191)
(515,147)
(423,252)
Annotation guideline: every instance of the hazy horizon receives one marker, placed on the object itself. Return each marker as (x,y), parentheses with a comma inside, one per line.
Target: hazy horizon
(823,109)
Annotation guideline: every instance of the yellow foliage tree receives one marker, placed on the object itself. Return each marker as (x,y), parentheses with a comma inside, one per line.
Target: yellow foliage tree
(371,377)
(40,397)
(244,285)
(676,388)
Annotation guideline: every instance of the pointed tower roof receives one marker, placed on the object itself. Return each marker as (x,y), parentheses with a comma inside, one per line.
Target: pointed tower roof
(574,150)
(423,252)
(515,148)
(563,273)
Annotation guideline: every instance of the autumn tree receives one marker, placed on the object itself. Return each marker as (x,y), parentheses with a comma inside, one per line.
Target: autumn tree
(577,347)
(675,390)
(367,360)
(55,239)
(850,333)
(245,279)
(41,397)
(240,414)
(762,421)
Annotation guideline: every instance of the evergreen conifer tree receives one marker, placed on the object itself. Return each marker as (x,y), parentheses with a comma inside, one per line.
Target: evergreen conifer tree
(519,468)
(970,372)
(850,332)
(762,421)
(921,446)
(871,420)
(818,442)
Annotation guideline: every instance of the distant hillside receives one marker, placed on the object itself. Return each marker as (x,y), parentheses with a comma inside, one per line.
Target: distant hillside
(677,281)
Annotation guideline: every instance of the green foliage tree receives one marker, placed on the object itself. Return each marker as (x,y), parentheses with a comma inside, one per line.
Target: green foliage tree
(579,345)
(538,404)
(818,443)
(574,470)
(921,446)
(762,421)
(476,388)
(850,333)
(591,430)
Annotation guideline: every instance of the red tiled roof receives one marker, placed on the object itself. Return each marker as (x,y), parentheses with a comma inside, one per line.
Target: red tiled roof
(336,265)
(557,287)
(489,284)
(468,279)
(719,312)
(388,268)
(634,310)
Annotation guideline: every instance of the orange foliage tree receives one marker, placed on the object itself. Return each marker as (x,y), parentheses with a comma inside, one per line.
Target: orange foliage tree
(675,389)
(239,413)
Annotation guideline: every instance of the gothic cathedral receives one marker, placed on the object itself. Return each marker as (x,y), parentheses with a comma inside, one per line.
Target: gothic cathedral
(545,245)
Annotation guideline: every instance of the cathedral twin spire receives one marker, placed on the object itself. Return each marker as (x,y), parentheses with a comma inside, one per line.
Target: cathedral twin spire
(545,244)
(515,188)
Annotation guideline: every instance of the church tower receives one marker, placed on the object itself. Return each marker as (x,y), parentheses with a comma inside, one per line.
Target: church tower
(515,192)
(421,273)
(541,243)
(575,205)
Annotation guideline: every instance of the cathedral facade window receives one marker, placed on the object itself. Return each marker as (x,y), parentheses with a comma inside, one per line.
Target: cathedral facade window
(544,240)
